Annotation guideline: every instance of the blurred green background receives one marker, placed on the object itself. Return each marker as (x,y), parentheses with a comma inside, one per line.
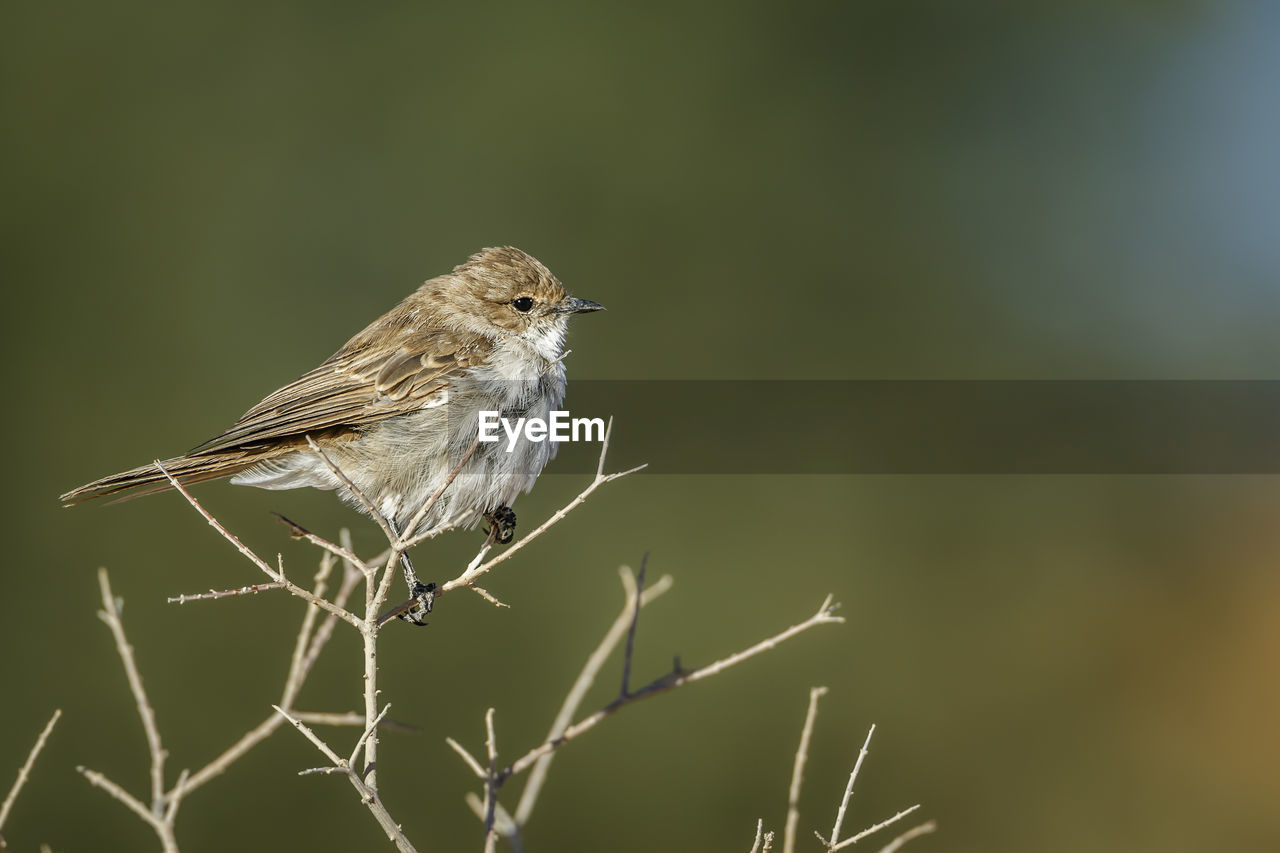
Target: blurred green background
(203,200)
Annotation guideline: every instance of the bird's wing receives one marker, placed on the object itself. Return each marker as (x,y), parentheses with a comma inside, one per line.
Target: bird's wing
(359,384)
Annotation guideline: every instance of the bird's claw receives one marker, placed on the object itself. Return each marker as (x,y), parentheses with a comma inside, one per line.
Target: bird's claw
(422,597)
(502,524)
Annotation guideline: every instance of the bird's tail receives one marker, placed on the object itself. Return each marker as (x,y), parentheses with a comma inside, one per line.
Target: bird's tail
(149,479)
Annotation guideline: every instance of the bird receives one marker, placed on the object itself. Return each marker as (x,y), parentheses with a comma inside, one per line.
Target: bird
(397,407)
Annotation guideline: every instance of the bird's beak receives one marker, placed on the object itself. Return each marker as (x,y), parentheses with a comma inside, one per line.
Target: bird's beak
(574,305)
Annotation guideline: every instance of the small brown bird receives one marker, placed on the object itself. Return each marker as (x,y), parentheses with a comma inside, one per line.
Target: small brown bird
(397,407)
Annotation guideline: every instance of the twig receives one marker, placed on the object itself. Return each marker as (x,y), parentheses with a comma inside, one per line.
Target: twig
(25,770)
(110,614)
(351,718)
(468,758)
(475,563)
(373,599)
(490,784)
(369,730)
(595,662)
(131,802)
(835,843)
(848,789)
(163,811)
(297,531)
(668,682)
(299,669)
(320,585)
(323,771)
(175,799)
(631,630)
(248,553)
(340,763)
(854,839)
(797,771)
(368,795)
(915,832)
(213,594)
(488,596)
(502,822)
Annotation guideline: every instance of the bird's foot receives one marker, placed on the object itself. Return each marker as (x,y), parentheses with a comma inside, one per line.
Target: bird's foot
(502,524)
(421,598)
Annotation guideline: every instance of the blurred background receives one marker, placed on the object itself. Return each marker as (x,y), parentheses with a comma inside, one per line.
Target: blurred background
(201,201)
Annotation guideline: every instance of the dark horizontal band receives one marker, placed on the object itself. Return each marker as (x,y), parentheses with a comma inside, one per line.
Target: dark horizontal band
(931,427)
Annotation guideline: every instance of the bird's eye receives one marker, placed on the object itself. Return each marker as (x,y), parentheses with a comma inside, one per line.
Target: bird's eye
(524,304)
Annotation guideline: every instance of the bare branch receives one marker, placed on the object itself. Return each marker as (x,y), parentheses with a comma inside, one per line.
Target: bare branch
(323,771)
(368,795)
(298,672)
(313,737)
(604,448)
(373,599)
(110,614)
(175,799)
(668,682)
(490,785)
(852,840)
(352,574)
(468,758)
(797,771)
(248,553)
(25,770)
(491,739)
(213,594)
(915,832)
(217,525)
(488,596)
(131,802)
(848,789)
(595,662)
(320,585)
(631,630)
(351,718)
(219,765)
(835,843)
(369,730)
(297,531)
(502,823)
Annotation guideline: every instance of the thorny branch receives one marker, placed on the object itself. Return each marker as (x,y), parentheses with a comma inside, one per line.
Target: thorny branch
(368,795)
(162,813)
(793,798)
(164,806)
(797,771)
(25,770)
(493,779)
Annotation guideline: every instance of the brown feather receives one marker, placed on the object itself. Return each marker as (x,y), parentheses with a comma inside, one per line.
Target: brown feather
(185,469)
